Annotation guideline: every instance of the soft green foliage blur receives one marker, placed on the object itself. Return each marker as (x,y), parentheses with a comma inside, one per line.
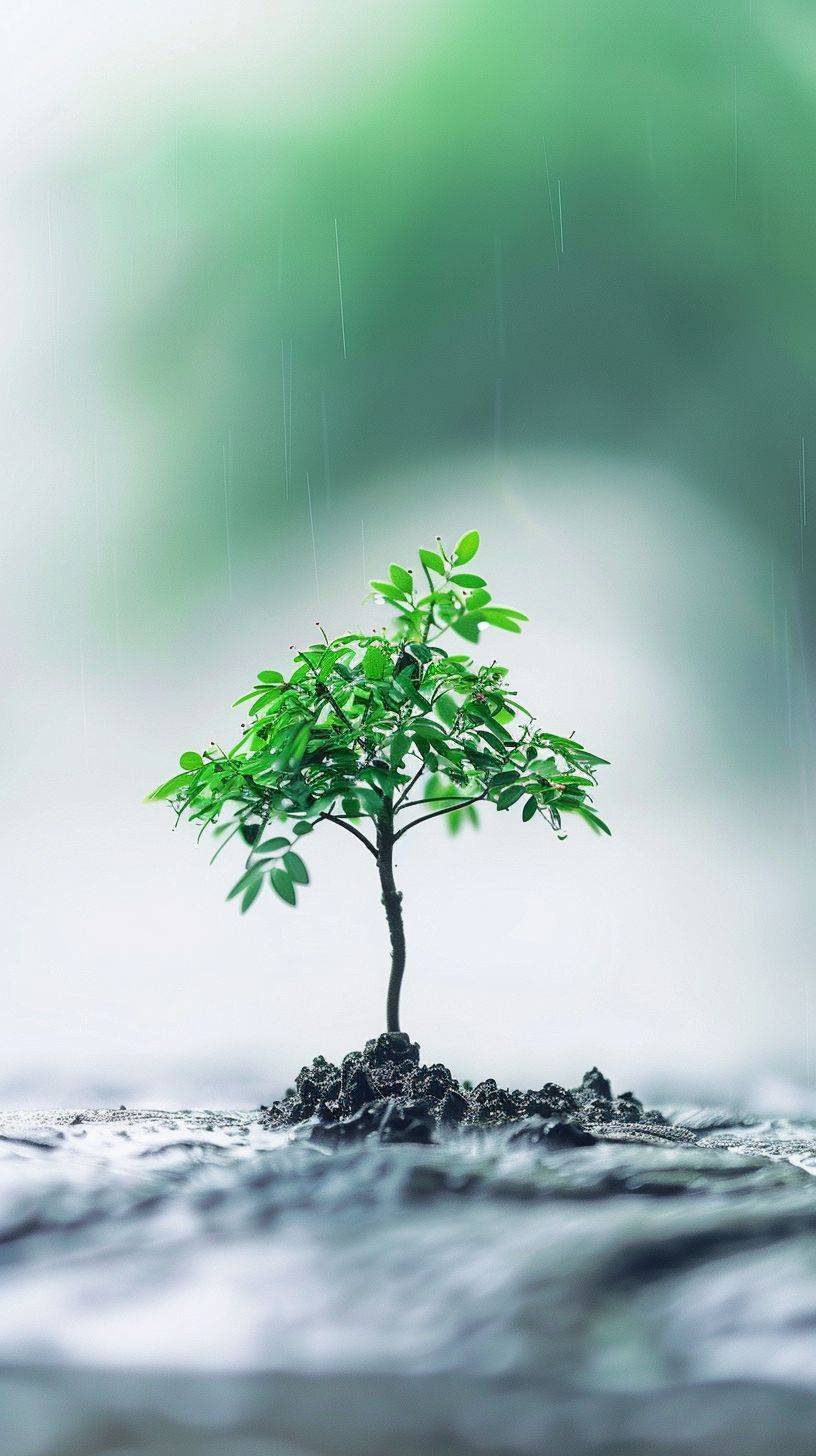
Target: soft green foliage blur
(367,727)
(582,225)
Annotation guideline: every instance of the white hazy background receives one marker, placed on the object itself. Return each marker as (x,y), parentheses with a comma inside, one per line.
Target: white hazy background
(677,955)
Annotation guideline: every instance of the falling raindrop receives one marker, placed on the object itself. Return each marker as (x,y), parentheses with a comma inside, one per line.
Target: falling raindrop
(650,152)
(497,420)
(736,139)
(326,463)
(560,217)
(340,288)
(117,634)
(54,289)
(291,427)
(314,542)
(227,459)
(788,684)
(808,1069)
(286,465)
(97,512)
(552,208)
(773,616)
(83,701)
(176,212)
(499,269)
(802,502)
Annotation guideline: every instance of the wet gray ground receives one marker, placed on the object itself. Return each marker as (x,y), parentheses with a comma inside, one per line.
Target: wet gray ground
(197,1283)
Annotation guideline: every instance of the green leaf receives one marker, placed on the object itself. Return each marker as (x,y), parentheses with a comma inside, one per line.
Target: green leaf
(299,745)
(351,806)
(493,742)
(401,578)
(391,593)
(496,618)
(375,663)
(282,885)
(247,878)
(467,626)
(270,676)
(594,820)
(509,796)
(464,578)
(447,709)
(400,745)
(432,560)
(466,548)
(271,846)
(303,826)
(191,760)
(452,754)
(529,809)
(434,786)
(251,894)
(371,801)
(423,729)
(419,651)
(378,775)
(504,778)
(166,791)
(416,697)
(295,868)
(266,700)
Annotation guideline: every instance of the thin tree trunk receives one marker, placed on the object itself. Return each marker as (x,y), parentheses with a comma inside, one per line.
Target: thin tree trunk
(392,900)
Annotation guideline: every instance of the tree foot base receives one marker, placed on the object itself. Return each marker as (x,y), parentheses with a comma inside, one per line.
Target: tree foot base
(384,1089)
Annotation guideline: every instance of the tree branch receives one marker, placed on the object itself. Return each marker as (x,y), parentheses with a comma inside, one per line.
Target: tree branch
(350,829)
(258,837)
(434,799)
(462,804)
(429,620)
(408,787)
(327,692)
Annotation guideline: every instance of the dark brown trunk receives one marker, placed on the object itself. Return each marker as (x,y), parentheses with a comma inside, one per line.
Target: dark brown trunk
(392,901)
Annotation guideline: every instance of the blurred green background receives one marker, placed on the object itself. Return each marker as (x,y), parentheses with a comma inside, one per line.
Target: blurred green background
(578,225)
(311,282)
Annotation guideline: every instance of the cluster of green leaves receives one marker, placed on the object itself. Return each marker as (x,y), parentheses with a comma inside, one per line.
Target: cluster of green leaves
(374,730)
(454,598)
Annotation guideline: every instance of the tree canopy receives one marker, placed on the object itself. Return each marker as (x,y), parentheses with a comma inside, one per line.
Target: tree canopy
(384,728)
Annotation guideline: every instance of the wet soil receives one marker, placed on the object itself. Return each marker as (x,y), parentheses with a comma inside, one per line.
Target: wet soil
(385,1091)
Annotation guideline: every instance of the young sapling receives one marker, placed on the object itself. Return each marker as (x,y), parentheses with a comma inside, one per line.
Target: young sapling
(378,734)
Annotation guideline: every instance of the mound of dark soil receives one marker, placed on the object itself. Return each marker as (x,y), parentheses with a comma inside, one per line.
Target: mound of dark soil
(386,1090)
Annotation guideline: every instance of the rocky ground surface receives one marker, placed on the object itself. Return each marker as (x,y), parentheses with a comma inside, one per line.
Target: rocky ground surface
(386,1091)
(353,1273)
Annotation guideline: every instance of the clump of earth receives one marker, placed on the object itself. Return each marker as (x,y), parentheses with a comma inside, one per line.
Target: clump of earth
(387,1092)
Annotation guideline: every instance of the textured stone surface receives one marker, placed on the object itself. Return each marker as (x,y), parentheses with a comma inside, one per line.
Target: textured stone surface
(199,1283)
